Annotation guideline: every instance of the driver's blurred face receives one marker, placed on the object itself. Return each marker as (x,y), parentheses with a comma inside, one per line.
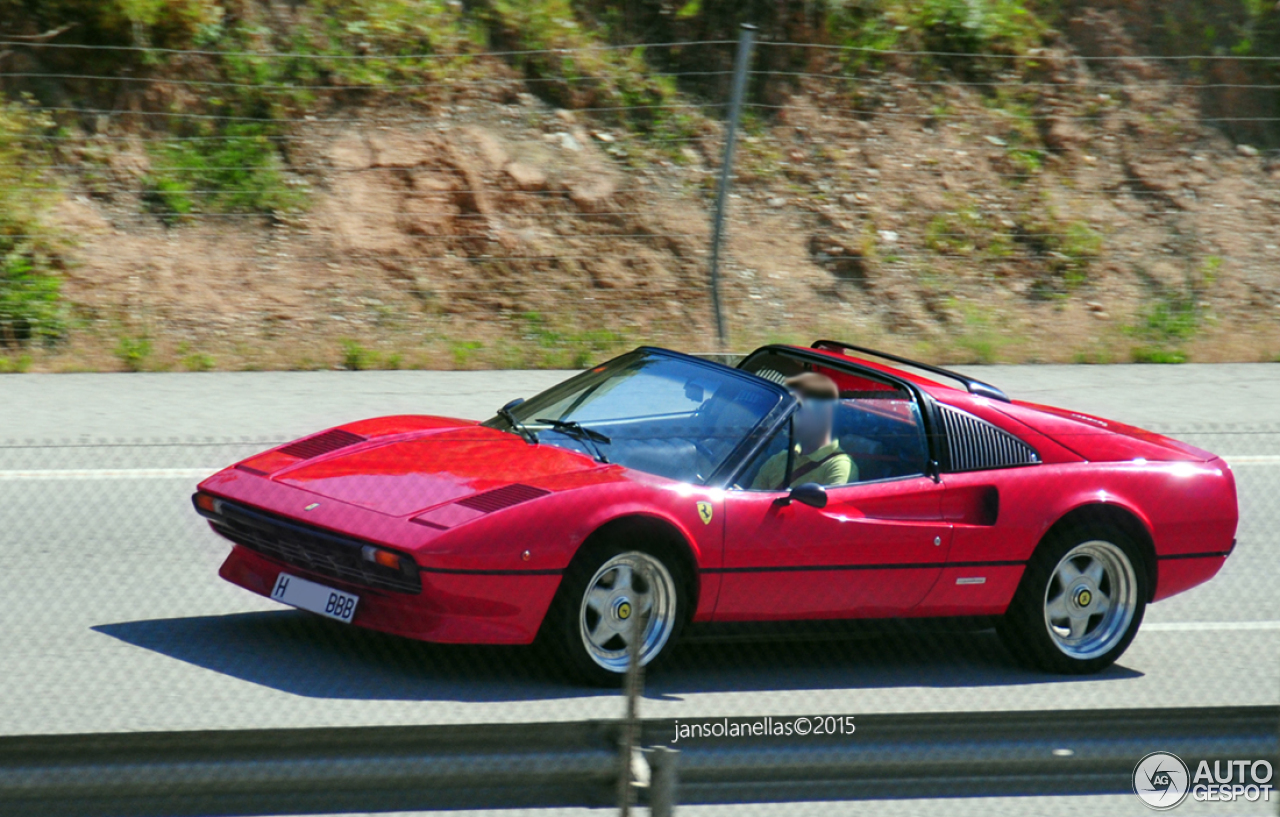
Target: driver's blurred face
(813,422)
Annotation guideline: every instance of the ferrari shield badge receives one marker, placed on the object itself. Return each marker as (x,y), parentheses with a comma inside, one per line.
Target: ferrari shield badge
(704,511)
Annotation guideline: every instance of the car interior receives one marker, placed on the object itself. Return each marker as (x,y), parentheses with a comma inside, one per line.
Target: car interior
(876,422)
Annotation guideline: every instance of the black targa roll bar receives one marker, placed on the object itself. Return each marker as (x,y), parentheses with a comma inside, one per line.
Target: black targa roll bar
(973,386)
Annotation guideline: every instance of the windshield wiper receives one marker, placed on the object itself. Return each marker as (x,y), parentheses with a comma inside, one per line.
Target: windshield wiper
(573,428)
(517,426)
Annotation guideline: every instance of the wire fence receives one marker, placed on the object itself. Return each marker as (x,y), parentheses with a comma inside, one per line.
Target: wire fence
(1047,205)
(244,209)
(147,638)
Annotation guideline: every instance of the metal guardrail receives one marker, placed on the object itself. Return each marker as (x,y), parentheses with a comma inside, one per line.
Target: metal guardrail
(575,764)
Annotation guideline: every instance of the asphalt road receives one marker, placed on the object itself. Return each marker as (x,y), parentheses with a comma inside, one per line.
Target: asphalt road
(113,617)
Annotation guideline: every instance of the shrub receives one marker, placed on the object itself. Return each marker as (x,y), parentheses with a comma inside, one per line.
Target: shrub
(133,352)
(30,306)
(598,78)
(236,171)
(355,357)
(964,232)
(1169,321)
(1067,248)
(975,26)
(947,27)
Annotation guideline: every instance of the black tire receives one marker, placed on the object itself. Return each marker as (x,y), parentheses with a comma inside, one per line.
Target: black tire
(1043,596)
(562,636)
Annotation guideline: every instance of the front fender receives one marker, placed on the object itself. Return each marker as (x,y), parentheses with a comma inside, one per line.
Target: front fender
(545,534)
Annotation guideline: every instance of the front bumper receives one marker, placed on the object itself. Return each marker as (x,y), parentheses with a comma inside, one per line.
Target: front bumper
(453,607)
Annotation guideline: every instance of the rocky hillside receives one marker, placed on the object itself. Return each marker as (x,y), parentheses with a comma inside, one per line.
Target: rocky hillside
(1034,191)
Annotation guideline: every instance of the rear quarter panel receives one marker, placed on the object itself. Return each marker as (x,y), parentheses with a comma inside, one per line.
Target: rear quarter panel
(1188,508)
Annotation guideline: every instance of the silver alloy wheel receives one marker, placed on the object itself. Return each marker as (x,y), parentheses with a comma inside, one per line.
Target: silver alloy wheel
(1090,600)
(627,585)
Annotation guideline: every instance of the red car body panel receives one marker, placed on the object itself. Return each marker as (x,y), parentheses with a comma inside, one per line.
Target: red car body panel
(490,562)
(798,562)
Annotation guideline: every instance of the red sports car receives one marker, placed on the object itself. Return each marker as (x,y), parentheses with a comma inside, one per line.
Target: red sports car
(806,483)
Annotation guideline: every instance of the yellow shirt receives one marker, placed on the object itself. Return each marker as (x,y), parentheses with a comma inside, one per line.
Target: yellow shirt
(837,470)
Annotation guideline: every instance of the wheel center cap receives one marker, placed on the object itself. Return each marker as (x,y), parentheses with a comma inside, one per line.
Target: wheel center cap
(622,609)
(1084,597)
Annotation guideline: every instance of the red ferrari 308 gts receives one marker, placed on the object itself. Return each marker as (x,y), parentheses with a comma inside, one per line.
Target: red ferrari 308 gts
(811,484)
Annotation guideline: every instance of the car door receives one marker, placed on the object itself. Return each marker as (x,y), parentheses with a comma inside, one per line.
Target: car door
(875,550)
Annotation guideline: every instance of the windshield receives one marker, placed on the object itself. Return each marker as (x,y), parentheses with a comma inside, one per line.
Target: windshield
(663,414)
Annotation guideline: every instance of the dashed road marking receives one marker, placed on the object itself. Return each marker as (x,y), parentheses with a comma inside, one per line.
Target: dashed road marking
(107,473)
(1206,626)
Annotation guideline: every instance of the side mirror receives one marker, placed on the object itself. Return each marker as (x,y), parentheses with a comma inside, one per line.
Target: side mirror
(809,493)
(513,404)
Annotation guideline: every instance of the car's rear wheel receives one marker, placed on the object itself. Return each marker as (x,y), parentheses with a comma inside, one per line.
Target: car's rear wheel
(1080,602)
(593,619)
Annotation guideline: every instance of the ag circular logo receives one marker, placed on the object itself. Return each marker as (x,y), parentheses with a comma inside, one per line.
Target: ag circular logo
(1161,780)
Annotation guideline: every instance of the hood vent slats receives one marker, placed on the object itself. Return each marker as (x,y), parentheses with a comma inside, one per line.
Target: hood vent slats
(500,498)
(324,443)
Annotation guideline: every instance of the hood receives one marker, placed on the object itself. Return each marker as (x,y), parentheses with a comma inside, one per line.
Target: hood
(407,475)
(1099,440)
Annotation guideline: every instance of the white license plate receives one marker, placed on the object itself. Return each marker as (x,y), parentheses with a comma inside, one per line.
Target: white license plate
(315,598)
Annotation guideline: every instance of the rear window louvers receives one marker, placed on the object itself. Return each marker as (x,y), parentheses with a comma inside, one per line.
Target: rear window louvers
(500,498)
(973,444)
(322,444)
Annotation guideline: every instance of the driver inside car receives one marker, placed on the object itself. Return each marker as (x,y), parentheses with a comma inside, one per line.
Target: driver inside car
(817,457)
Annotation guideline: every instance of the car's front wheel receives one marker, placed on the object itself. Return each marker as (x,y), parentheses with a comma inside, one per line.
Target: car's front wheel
(611,596)
(1080,602)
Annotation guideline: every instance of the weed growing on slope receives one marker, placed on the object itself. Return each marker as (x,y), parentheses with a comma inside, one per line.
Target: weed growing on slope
(30,252)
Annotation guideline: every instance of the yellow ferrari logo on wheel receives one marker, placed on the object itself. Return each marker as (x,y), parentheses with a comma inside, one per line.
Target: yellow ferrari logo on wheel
(705,511)
(624,611)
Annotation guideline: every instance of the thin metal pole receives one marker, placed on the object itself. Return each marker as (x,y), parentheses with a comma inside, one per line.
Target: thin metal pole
(664,781)
(633,686)
(746,39)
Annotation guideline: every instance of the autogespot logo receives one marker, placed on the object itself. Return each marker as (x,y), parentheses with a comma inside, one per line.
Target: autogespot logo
(1161,780)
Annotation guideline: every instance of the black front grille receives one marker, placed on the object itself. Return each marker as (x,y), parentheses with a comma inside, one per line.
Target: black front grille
(314,550)
(973,444)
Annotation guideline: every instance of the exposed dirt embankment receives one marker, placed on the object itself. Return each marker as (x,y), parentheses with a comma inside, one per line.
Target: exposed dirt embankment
(464,240)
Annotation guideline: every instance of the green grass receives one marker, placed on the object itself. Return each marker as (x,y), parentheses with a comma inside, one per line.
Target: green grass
(965,232)
(15,365)
(198,362)
(1171,319)
(464,352)
(1099,355)
(980,338)
(1067,249)
(550,347)
(1156,354)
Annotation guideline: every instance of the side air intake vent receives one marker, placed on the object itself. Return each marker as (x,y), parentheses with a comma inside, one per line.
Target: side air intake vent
(976,445)
(500,498)
(322,444)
